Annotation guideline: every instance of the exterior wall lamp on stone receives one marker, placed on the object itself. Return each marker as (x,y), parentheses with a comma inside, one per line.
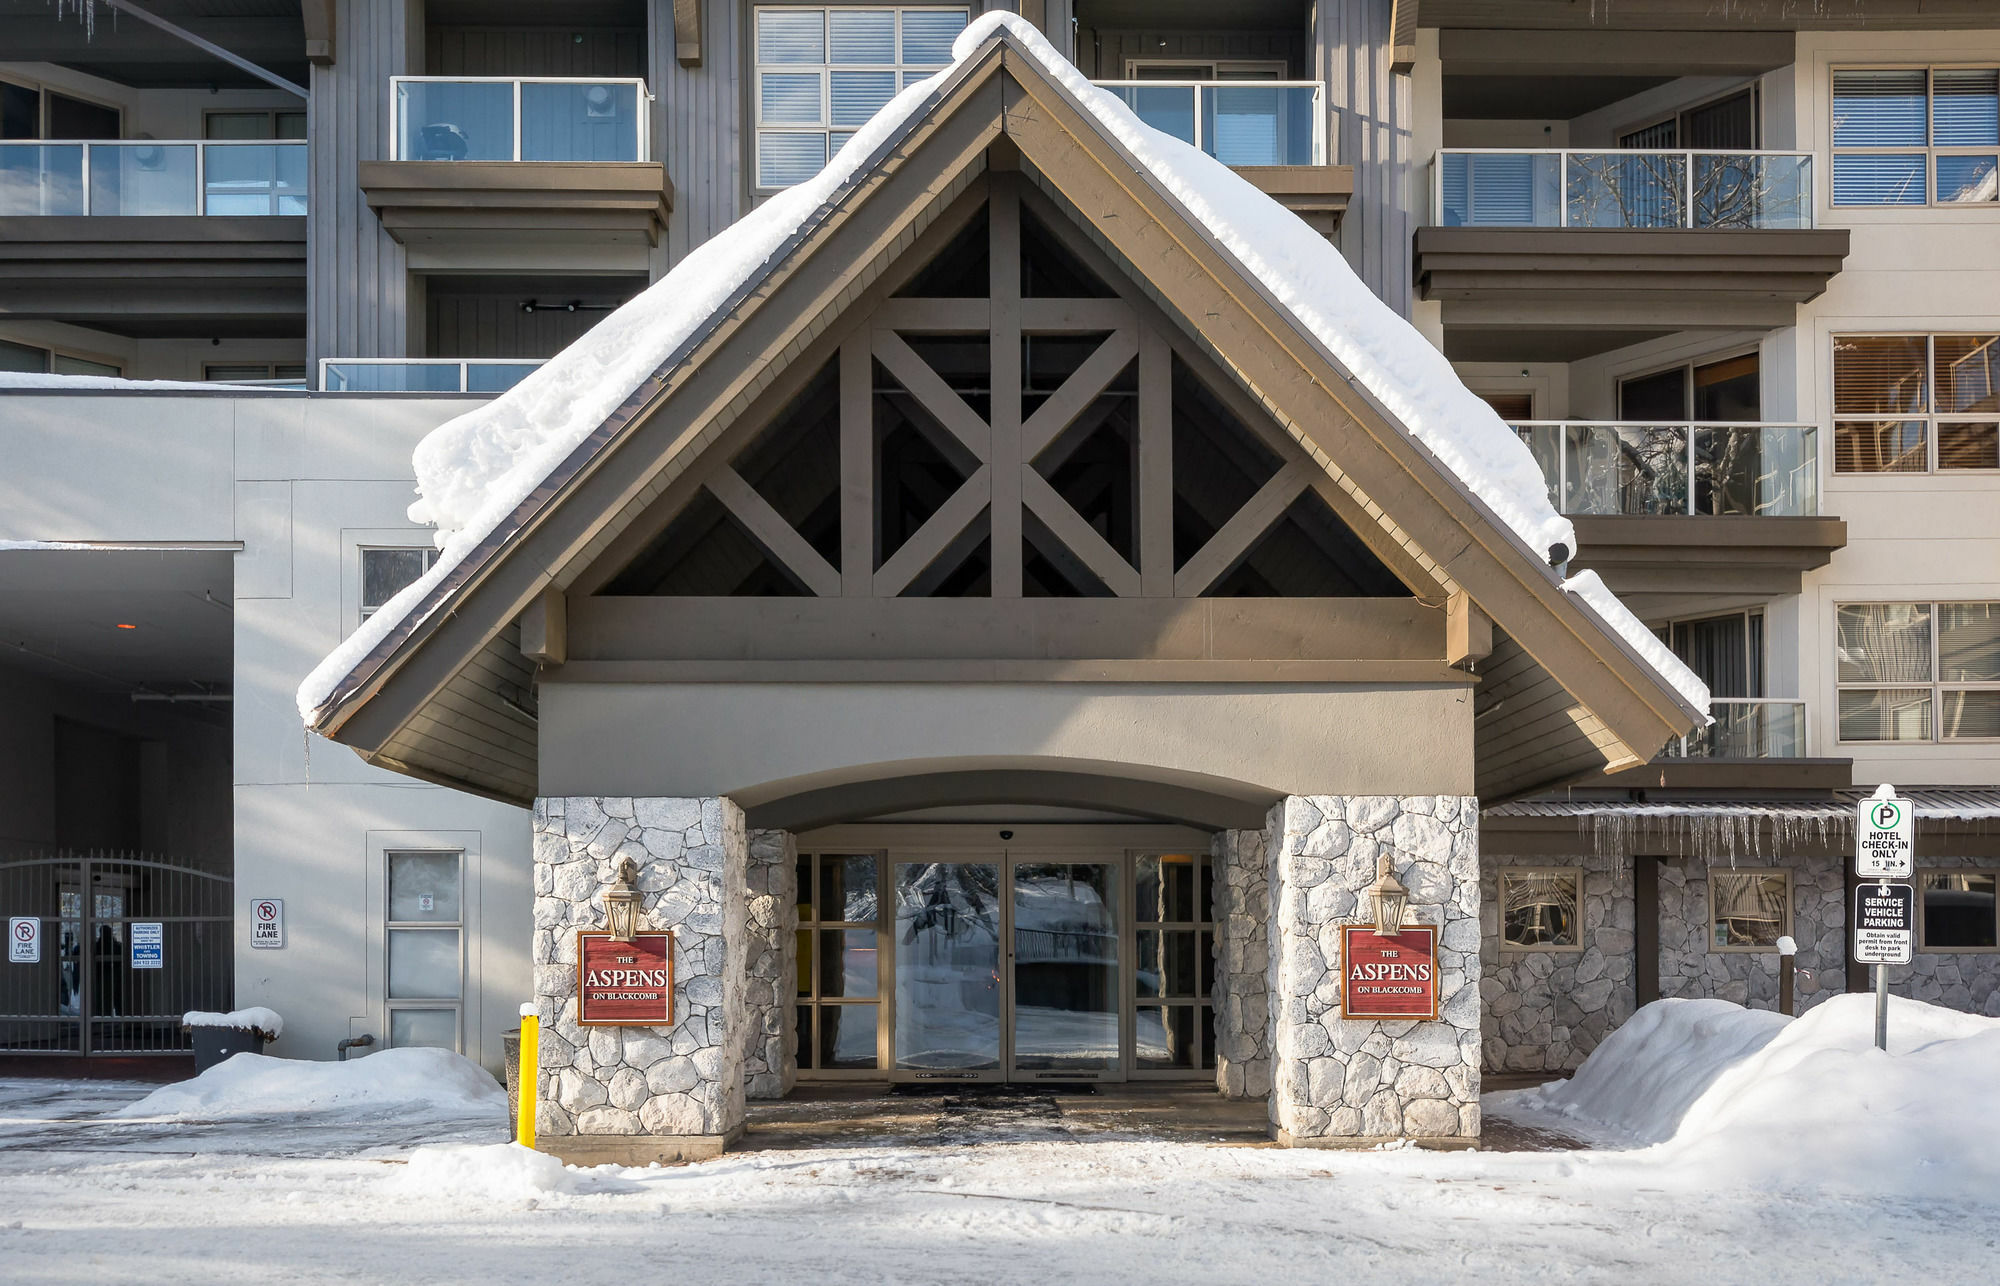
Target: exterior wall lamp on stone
(1386,895)
(621,903)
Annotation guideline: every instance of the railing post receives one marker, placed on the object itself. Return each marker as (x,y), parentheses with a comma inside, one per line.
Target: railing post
(1562,188)
(201,178)
(87,150)
(517,120)
(1687,221)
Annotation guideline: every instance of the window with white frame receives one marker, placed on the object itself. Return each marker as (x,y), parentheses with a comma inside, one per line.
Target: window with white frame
(1916,135)
(820,73)
(1748,910)
(1914,403)
(1958,910)
(1918,671)
(1541,909)
(385,573)
(424,937)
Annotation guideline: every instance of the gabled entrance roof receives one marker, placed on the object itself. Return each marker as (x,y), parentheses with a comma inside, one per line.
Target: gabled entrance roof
(533,487)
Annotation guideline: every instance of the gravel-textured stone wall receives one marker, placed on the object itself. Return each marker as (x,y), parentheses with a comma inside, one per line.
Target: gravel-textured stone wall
(686,1079)
(1819,923)
(770,1036)
(1242,964)
(1546,1010)
(1338,1079)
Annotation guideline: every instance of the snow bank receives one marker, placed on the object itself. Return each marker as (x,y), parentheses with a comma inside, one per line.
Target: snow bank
(427,1082)
(256,1018)
(489,1172)
(475,471)
(1736,1096)
(29,379)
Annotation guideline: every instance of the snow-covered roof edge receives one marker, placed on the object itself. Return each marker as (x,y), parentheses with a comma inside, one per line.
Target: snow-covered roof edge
(478,471)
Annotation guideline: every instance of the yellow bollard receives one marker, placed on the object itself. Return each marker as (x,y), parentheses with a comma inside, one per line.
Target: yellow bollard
(529,1076)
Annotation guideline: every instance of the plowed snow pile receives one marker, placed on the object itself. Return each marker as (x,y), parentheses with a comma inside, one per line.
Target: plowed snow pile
(1731,1095)
(426,1082)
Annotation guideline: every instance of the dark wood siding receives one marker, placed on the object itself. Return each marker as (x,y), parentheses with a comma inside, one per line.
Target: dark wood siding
(535,51)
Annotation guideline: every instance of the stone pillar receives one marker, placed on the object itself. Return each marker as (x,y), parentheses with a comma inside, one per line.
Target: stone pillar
(633,1095)
(1242,964)
(1339,1082)
(770,1019)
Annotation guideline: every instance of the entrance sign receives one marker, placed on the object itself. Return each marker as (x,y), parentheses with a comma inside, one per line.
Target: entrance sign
(1883,836)
(1885,923)
(148,944)
(267,923)
(624,984)
(1388,975)
(24,940)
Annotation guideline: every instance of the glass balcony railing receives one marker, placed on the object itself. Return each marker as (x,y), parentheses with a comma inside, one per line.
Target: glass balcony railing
(444,118)
(150,177)
(1493,188)
(1746,728)
(423,374)
(1594,467)
(1238,122)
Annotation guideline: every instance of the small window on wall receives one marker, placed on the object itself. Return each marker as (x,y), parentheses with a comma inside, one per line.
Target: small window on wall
(424,940)
(386,573)
(1957,911)
(1748,910)
(840,924)
(1913,403)
(820,74)
(1542,910)
(29,360)
(1173,901)
(255,125)
(1918,671)
(288,374)
(1916,136)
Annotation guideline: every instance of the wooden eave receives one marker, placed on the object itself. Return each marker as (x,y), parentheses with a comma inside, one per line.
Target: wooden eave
(449,696)
(1703,553)
(590,201)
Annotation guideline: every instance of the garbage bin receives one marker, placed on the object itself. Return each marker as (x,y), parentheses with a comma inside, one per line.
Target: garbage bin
(510,1046)
(213,1045)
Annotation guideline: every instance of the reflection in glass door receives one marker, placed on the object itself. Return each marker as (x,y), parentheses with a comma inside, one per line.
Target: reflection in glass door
(1065,969)
(948,999)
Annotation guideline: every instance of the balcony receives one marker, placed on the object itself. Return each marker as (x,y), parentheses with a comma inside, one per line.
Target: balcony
(1689,509)
(473,375)
(145,237)
(1746,728)
(480,168)
(1557,255)
(1272,132)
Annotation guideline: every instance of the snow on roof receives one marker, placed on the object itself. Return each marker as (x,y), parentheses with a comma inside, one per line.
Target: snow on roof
(33,380)
(474,472)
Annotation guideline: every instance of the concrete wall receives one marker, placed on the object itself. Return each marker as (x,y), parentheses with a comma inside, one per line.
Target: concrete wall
(635,738)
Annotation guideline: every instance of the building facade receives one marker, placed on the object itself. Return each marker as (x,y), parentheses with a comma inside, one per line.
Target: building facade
(1731,276)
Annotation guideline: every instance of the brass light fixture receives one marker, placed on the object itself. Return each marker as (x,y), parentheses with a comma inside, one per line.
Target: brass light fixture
(1388,896)
(621,903)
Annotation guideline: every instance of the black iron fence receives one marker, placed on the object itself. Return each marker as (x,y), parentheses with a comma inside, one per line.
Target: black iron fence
(123,944)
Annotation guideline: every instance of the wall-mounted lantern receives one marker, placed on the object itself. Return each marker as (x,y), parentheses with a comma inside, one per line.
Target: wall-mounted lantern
(1388,896)
(621,903)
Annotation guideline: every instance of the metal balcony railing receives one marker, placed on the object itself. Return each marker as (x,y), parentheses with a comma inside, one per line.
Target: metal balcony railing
(538,118)
(1746,728)
(423,374)
(1606,467)
(1517,188)
(153,177)
(1238,122)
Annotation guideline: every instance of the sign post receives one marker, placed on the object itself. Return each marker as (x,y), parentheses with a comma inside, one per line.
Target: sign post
(1884,916)
(24,939)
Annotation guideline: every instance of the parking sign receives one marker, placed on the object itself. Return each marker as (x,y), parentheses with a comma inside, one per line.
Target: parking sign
(24,940)
(267,923)
(1883,836)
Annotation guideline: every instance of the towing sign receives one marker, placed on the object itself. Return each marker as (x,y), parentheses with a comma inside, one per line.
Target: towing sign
(1883,837)
(1885,923)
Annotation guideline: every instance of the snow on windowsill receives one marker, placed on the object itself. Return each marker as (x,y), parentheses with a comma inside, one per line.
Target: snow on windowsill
(58,383)
(474,472)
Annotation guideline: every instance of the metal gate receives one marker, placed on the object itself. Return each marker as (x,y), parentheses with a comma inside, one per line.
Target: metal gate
(129,943)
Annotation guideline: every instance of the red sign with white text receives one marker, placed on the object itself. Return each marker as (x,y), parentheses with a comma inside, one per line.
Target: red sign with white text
(1388,975)
(625,984)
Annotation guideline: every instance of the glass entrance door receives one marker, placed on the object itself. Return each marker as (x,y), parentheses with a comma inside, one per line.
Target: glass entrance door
(1065,936)
(949,997)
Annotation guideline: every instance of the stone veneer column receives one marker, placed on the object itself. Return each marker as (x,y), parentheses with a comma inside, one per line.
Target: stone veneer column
(632,1095)
(1339,1082)
(1242,964)
(770,1020)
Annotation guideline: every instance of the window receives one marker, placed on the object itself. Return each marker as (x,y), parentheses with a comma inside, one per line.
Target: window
(1725,391)
(1916,136)
(1748,910)
(819,75)
(1542,910)
(1511,407)
(254,125)
(30,360)
(1956,911)
(840,925)
(1204,69)
(1726,652)
(1918,671)
(1913,403)
(1725,124)
(288,373)
(29,111)
(387,572)
(1173,904)
(424,940)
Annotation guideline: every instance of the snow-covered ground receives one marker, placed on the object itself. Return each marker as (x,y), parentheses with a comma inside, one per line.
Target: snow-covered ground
(1026,1199)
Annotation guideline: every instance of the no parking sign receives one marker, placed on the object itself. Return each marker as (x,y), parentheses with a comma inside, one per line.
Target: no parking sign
(24,940)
